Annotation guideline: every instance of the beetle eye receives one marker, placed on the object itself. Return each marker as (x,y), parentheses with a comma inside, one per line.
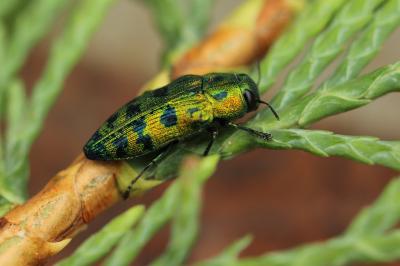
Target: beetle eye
(251,101)
(247,97)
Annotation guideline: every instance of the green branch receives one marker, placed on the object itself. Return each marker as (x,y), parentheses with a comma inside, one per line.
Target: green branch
(327,46)
(230,255)
(338,251)
(351,95)
(368,150)
(180,24)
(155,217)
(3,41)
(185,223)
(309,23)
(15,171)
(367,45)
(2,56)
(65,53)
(198,17)
(381,216)
(37,16)
(169,19)
(7,7)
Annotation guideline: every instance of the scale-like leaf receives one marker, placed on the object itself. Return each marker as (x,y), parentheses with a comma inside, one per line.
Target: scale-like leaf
(37,16)
(368,150)
(367,45)
(65,53)
(163,210)
(228,256)
(185,223)
(327,46)
(100,243)
(309,23)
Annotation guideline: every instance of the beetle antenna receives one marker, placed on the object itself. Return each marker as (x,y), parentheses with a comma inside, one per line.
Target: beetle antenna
(271,108)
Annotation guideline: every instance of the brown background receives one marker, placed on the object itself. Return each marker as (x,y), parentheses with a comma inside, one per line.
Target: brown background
(282,198)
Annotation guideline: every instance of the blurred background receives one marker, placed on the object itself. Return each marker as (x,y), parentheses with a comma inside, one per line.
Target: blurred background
(282,198)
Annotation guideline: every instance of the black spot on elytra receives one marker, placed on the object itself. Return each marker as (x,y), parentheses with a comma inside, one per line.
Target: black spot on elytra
(146,141)
(138,126)
(132,110)
(121,144)
(161,92)
(169,118)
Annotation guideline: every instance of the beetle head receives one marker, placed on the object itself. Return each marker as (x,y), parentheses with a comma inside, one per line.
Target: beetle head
(251,95)
(249,91)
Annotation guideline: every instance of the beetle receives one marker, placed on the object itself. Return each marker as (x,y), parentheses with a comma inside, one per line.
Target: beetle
(185,107)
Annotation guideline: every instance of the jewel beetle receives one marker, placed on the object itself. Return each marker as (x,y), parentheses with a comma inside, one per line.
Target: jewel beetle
(179,110)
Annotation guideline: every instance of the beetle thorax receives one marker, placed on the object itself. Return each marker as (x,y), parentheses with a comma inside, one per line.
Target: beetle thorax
(227,103)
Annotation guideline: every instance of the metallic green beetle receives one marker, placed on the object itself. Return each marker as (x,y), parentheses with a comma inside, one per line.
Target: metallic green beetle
(183,108)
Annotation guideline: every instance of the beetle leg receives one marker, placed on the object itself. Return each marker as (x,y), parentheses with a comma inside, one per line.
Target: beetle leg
(214,132)
(259,134)
(160,156)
